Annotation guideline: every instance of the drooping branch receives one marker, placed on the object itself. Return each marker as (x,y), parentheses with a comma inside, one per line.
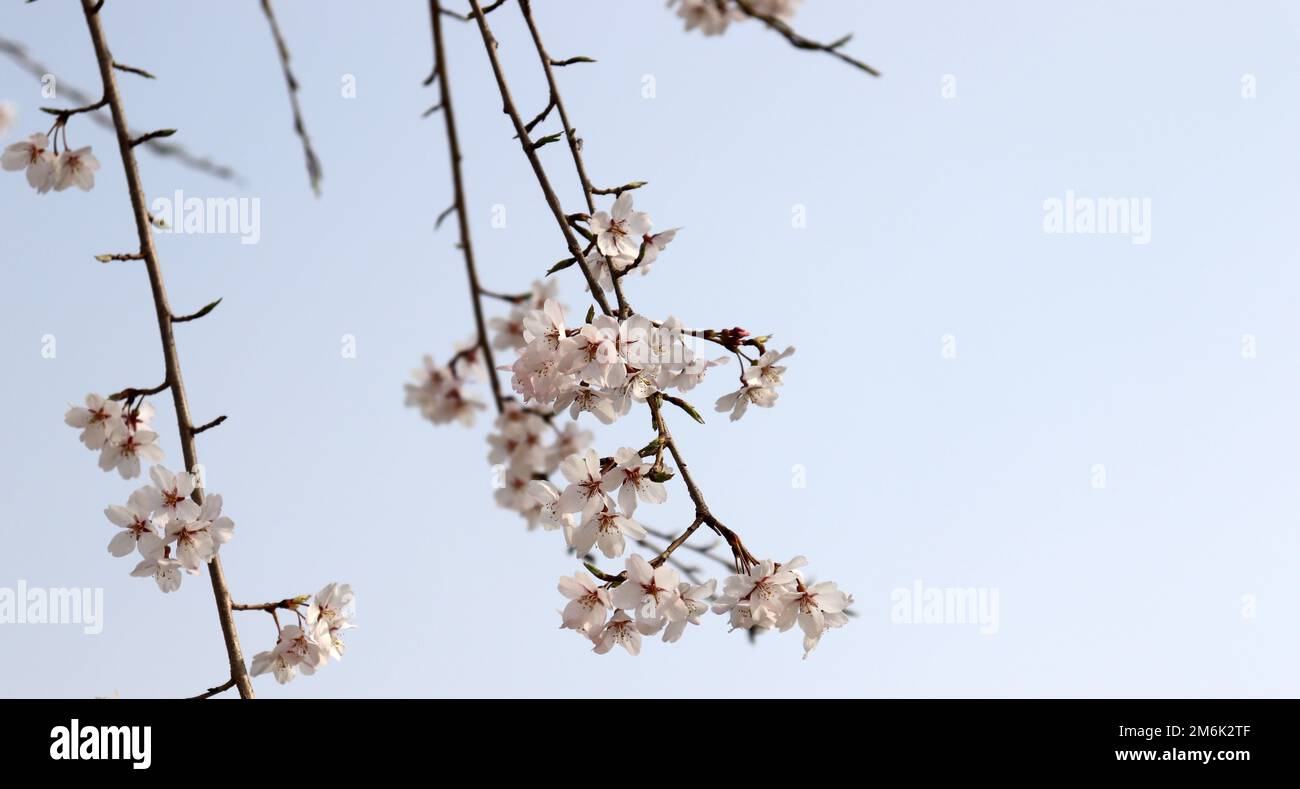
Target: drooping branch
(174,381)
(18,53)
(299,126)
(802,42)
(476,292)
(530,152)
(743,558)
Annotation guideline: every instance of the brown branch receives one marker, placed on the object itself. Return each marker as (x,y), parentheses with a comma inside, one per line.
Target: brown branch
(508,106)
(139,72)
(18,54)
(462,218)
(220,590)
(801,42)
(208,425)
(313,162)
(227,685)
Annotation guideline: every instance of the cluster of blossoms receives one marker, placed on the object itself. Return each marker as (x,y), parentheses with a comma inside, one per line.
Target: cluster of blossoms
(169,530)
(120,433)
(711,17)
(47,168)
(768,596)
(623,241)
(318,636)
(438,391)
(604,365)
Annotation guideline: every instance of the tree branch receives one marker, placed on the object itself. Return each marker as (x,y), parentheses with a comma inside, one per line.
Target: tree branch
(220,590)
(313,162)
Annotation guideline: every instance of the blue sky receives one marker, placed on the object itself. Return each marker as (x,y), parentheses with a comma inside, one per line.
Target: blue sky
(924,220)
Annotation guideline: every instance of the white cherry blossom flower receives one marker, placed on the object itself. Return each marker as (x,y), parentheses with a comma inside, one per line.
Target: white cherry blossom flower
(738,401)
(710,16)
(588,604)
(654,244)
(140,528)
(220,527)
(76,168)
(619,232)
(8,115)
(194,544)
(649,591)
(606,529)
(124,452)
(765,586)
(810,607)
(631,478)
(594,356)
(619,631)
(585,492)
(765,371)
(34,156)
(170,494)
(597,402)
(165,570)
(99,420)
(548,498)
(696,599)
(332,607)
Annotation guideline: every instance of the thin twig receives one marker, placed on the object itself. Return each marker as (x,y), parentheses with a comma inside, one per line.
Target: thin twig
(802,42)
(220,590)
(462,216)
(313,162)
(508,105)
(227,685)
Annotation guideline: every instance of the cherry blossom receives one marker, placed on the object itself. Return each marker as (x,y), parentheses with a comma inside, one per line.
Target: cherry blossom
(631,478)
(295,650)
(34,156)
(765,371)
(99,420)
(586,490)
(124,452)
(738,401)
(816,609)
(710,16)
(332,606)
(650,591)
(619,631)
(8,115)
(170,494)
(696,600)
(76,168)
(587,607)
(619,232)
(165,570)
(606,529)
(140,527)
(547,498)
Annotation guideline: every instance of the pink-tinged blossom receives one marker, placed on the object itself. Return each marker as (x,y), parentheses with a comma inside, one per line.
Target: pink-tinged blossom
(98,421)
(34,156)
(585,492)
(649,591)
(124,452)
(165,570)
(619,631)
(588,604)
(816,609)
(76,168)
(738,401)
(619,232)
(170,494)
(140,529)
(631,478)
(606,530)
(696,600)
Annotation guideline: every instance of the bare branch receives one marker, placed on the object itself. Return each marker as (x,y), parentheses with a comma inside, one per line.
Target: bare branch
(313,162)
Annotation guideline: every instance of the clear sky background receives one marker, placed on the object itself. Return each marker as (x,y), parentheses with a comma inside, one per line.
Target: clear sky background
(924,219)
